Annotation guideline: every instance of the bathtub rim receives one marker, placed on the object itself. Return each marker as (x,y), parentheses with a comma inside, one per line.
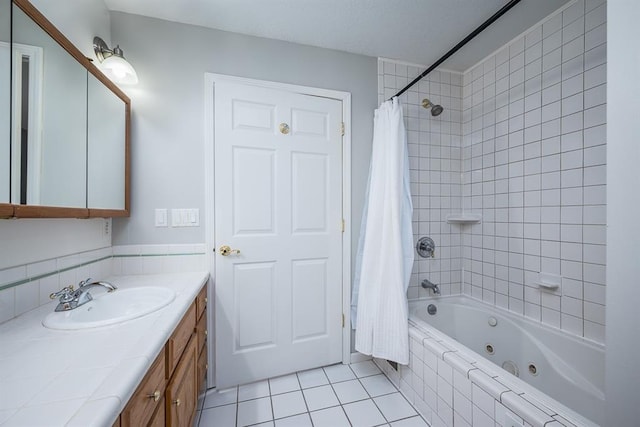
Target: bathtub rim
(520,387)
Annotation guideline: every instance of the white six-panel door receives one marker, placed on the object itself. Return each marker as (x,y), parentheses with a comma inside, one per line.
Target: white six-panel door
(278,201)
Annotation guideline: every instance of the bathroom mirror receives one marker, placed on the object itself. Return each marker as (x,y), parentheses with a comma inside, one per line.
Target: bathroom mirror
(5,100)
(49,120)
(68,149)
(106,157)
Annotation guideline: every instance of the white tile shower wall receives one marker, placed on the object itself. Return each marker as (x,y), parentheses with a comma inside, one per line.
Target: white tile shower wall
(434,157)
(25,287)
(534,143)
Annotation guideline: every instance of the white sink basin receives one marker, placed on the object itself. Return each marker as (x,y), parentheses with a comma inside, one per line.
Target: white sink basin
(112,307)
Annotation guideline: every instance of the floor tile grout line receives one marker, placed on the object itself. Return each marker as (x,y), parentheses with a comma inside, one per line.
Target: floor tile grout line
(306,405)
(336,394)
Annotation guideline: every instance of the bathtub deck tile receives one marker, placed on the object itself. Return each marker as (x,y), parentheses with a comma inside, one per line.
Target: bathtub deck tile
(462,384)
(436,347)
(483,400)
(458,363)
(562,420)
(445,371)
(529,412)
(509,382)
(458,421)
(501,411)
(538,404)
(488,384)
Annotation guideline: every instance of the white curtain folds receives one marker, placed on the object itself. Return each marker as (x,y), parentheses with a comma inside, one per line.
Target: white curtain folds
(385,250)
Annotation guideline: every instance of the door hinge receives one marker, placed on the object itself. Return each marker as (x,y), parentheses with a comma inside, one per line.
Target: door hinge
(342,128)
(343,320)
(343,225)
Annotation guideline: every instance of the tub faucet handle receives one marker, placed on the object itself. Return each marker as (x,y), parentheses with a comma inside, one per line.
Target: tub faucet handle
(427,284)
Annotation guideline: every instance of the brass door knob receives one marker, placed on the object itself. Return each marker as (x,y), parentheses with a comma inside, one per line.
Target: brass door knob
(226,250)
(284,128)
(155,396)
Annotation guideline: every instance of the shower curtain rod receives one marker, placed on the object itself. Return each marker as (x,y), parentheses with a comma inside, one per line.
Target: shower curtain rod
(457,47)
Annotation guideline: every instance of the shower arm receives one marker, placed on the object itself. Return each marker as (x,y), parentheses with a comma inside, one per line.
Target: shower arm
(457,47)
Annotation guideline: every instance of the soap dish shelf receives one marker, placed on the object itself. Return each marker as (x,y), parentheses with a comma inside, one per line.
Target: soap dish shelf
(464,218)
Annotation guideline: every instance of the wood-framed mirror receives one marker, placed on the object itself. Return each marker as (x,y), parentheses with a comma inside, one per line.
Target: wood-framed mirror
(68,149)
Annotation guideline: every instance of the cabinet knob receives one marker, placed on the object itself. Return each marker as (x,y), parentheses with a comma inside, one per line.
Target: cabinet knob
(177,402)
(206,332)
(155,396)
(206,300)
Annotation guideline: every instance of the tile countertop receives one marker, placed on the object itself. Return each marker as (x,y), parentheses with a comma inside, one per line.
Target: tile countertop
(84,377)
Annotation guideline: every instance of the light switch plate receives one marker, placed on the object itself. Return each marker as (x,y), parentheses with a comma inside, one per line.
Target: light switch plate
(161,218)
(185,217)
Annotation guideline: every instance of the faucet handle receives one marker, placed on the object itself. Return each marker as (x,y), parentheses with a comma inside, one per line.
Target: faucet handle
(84,282)
(64,293)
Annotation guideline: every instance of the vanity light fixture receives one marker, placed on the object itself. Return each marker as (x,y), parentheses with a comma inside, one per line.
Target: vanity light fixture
(113,64)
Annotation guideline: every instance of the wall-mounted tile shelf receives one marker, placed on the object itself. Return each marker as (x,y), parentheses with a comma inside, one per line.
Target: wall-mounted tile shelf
(464,218)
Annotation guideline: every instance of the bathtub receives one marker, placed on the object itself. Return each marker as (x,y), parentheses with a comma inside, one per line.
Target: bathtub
(532,372)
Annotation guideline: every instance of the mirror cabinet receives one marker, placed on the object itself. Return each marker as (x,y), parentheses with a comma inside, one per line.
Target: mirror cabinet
(65,127)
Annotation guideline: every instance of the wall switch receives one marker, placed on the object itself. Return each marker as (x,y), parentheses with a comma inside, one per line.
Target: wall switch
(185,217)
(161,218)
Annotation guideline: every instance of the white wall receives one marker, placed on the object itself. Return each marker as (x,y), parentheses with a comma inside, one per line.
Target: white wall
(79,21)
(168,106)
(623,211)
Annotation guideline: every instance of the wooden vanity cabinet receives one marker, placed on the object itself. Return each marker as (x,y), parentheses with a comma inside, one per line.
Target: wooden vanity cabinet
(147,397)
(168,394)
(182,392)
(202,335)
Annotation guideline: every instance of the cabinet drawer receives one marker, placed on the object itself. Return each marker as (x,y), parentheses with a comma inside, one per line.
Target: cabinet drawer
(201,301)
(182,393)
(180,338)
(201,332)
(147,397)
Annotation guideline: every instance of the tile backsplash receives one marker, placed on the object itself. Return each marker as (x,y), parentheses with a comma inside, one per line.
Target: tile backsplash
(521,141)
(25,287)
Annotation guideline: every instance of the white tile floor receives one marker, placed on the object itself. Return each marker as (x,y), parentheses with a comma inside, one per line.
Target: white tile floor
(356,395)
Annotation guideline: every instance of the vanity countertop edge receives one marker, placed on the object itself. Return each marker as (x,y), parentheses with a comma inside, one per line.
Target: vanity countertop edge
(85,377)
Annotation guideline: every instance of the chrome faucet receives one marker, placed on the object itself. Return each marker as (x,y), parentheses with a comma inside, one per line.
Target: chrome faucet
(70,298)
(428,285)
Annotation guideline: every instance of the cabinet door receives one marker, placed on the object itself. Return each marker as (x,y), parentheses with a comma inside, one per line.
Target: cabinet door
(182,393)
(202,370)
(158,418)
(147,398)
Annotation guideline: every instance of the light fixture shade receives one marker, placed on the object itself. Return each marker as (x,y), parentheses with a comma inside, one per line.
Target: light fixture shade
(119,70)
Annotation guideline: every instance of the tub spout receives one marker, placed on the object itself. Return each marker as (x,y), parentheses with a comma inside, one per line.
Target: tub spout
(428,285)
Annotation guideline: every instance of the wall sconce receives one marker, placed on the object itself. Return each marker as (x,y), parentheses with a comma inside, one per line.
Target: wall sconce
(113,63)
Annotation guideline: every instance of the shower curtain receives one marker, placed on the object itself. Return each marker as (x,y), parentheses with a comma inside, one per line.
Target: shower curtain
(385,250)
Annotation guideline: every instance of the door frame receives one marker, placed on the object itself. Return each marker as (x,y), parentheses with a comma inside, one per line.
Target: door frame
(210,80)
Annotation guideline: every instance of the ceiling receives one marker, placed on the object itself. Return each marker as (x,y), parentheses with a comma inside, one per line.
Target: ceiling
(416,31)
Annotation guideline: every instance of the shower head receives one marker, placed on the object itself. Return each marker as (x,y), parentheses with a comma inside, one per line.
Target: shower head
(436,110)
